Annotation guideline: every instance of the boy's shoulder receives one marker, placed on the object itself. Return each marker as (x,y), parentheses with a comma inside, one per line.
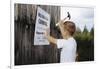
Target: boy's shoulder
(66,42)
(71,40)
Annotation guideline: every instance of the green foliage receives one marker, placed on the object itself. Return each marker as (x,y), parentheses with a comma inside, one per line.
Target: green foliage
(85,35)
(85,44)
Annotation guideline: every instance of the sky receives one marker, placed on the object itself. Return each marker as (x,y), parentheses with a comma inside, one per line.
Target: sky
(80,16)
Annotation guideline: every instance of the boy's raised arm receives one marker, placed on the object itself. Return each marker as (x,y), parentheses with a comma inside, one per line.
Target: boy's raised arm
(61,25)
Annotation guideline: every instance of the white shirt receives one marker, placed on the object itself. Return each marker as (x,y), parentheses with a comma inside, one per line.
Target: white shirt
(68,52)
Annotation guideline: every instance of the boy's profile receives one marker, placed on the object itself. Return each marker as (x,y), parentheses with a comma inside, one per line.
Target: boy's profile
(67,43)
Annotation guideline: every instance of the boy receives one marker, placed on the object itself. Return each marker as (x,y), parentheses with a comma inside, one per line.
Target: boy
(68,43)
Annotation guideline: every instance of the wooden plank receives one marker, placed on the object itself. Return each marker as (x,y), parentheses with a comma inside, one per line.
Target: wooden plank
(25,51)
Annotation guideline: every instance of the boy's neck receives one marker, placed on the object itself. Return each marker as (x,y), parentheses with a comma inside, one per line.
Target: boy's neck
(67,36)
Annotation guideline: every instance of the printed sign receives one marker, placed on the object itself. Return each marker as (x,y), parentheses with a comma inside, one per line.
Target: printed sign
(42,22)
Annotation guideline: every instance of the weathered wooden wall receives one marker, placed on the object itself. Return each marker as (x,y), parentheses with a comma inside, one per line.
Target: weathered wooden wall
(25,51)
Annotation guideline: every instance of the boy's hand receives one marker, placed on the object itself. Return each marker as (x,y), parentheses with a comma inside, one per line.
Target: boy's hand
(62,21)
(49,38)
(47,32)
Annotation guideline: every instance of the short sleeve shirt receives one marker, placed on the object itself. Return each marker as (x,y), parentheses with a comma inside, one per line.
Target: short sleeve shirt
(68,52)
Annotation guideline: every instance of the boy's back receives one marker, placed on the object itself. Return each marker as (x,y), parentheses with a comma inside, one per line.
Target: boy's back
(68,52)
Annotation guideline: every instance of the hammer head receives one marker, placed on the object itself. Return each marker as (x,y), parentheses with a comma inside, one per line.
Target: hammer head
(69,16)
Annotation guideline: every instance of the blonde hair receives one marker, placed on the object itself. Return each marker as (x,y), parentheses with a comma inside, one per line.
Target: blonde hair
(70,27)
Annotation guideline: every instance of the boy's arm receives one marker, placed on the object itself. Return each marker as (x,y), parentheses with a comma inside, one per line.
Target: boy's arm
(61,25)
(51,39)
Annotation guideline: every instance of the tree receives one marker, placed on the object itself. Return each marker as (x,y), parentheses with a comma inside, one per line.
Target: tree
(92,31)
(85,30)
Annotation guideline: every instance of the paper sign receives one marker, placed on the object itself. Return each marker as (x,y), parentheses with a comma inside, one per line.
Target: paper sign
(42,22)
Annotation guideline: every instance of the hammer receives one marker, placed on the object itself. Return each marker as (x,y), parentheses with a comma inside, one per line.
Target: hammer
(68,17)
